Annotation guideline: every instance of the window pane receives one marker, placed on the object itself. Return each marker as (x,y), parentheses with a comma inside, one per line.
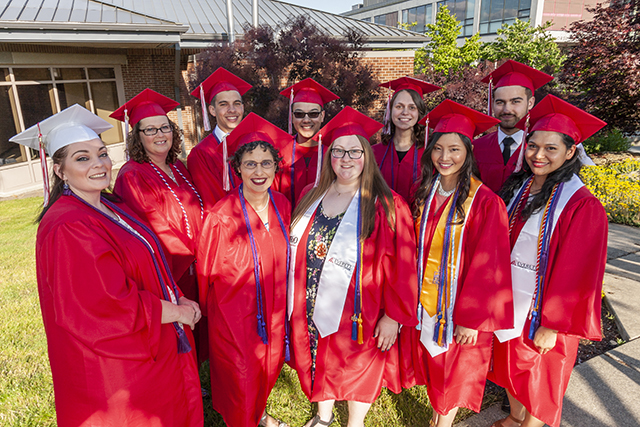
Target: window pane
(102,73)
(10,152)
(471,6)
(484,10)
(525,4)
(105,99)
(35,103)
(73,93)
(392,19)
(69,73)
(496,11)
(510,9)
(31,74)
(429,15)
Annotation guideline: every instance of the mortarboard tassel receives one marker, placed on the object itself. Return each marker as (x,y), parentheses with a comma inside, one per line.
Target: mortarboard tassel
(386,130)
(489,96)
(44,166)
(225,171)
(205,113)
(290,111)
(126,131)
(522,146)
(319,166)
(360,332)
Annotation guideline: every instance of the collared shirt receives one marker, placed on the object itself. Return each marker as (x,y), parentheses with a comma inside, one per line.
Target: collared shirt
(219,133)
(517,137)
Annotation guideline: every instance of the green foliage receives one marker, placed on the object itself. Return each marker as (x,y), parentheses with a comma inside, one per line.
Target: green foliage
(442,53)
(612,140)
(523,43)
(407,25)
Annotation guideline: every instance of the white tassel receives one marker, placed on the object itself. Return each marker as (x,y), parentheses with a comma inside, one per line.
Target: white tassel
(126,133)
(489,95)
(426,133)
(523,146)
(290,112)
(318,170)
(205,112)
(583,156)
(226,186)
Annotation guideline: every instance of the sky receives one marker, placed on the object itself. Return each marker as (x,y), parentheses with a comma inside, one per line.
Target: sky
(333,6)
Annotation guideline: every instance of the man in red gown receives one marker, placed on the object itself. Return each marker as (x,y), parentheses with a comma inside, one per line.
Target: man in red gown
(511,88)
(222,91)
(300,158)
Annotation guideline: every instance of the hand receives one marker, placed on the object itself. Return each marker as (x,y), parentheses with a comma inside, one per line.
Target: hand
(465,335)
(190,312)
(387,332)
(545,339)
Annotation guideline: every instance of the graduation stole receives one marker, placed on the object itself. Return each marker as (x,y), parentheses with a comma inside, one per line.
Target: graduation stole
(530,254)
(343,258)
(438,279)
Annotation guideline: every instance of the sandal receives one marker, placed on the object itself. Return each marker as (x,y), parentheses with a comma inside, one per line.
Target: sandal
(499,423)
(263,421)
(317,421)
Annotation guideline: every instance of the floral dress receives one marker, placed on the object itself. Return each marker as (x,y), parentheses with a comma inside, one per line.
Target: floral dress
(323,230)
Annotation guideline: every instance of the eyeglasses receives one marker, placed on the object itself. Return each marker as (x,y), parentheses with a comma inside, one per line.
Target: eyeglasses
(338,153)
(311,114)
(266,164)
(154,131)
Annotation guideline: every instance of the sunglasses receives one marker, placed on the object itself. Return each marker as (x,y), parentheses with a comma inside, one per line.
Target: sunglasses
(311,114)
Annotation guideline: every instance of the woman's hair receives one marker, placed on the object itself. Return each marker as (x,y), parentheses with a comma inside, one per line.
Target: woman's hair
(418,130)
(469,168)
(372,186)
(563,174)
(236,159)
(57,183)
(135,148)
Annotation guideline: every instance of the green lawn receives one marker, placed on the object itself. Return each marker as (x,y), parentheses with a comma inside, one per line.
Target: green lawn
(26,390)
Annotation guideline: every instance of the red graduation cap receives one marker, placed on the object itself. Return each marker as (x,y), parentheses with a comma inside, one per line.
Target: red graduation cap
(449,116)
(220,80)
(147,103)
(513,73)
(555,115)
(255,128)
(348,122)
(308,90)
(405,83)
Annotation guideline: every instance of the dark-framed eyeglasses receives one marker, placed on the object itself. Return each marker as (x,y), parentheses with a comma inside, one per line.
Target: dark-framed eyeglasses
(154,131)
(312,114)
(265,164)
(338,153)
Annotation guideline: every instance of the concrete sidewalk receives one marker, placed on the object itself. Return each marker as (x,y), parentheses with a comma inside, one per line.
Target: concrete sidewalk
(605,391)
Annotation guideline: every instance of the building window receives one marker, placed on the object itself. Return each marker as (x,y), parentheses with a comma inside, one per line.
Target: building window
(421,15)
(390,19)
(494,13)
(367,19)
(29,95)
(463,11)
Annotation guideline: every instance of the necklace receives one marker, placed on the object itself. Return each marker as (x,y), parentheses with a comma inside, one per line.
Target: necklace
(264,207)
(335,187)
(444,193)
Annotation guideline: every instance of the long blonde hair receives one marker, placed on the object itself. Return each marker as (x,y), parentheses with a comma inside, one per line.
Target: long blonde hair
(372,187)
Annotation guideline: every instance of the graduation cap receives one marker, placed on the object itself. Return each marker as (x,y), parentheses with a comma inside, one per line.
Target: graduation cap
(220,80)
(252,128)
(147,103)
(308,90)
(555,115)
(449,116)
(404,83)
(73,124)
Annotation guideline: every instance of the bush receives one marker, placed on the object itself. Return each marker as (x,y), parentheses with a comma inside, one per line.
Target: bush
(612,140)
(617,186)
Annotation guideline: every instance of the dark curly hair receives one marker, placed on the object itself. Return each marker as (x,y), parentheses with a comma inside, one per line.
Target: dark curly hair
(418,130)
(563,174)
(135,149)
(469,168)
(236,159)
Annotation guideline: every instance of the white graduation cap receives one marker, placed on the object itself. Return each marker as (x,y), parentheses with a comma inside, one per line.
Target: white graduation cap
(73,124)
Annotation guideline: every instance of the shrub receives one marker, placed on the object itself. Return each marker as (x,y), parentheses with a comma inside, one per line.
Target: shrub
(607,140)
(617,186)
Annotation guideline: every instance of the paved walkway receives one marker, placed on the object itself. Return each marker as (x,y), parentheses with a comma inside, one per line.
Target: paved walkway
(605,391)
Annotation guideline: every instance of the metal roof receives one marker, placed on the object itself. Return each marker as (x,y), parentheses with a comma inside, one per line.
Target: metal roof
(192,23)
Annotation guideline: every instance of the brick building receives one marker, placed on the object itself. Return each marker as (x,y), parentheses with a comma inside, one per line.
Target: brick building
(99,53)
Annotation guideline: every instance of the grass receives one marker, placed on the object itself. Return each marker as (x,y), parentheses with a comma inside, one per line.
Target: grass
(26,388)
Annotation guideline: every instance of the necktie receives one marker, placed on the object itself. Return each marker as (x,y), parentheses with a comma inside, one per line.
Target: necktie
(506,151)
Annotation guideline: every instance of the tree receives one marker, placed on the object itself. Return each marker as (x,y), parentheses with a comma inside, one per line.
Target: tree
(442,53)
(521,42)
(605,64)
(272,59)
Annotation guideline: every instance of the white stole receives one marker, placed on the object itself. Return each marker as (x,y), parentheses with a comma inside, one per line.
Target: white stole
(524,259)
(338,268)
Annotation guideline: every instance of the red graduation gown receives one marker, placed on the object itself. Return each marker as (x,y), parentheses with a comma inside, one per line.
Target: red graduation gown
(484,302)
(305,167)
(570,304)
(400,176)
(493,172)
(113,362)
(243,369)
(346,370)
(142,189)
(205,165)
